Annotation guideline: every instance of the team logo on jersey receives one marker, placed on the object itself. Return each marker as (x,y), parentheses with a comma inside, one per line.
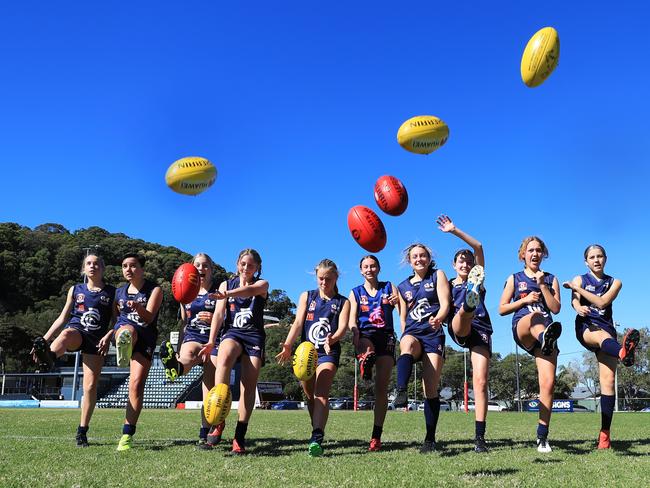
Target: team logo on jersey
(136,319)
(210,304)
(318,331)
(334,307)
(590,288)
(363,300)
(485,338)
(421,311)
(523,286)
(90,319)
(377,318)
(365,308)
(312,306)
(242,318)
(120,304)
(428,286)
(310,316)
(256,348)
(384,298)
(80,298)
(232,307)
(439,347)
(408,295)
(105,299)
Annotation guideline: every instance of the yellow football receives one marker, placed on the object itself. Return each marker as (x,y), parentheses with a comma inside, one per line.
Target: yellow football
(422,134)
(304,361)
(191,176)
(540,56)
(216,406)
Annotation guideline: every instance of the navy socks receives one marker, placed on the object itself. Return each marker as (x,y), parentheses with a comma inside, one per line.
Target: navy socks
(431,414)
(404,370)
(607,411)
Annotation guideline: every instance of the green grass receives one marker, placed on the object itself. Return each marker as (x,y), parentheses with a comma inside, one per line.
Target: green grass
(38,450)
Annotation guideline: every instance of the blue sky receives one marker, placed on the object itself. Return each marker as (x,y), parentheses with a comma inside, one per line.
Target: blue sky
(298,104)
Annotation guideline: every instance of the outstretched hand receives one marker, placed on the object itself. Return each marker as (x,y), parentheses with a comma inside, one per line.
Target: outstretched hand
(205,352)
(445,224)
(283,356)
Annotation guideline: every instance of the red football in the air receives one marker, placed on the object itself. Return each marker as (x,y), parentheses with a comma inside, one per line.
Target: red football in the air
(186,283)
(366,228)
(391,196)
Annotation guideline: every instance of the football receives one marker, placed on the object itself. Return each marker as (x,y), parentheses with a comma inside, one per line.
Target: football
(304,361)
(186,283)
(216,406)
(191,176)
(366,228)
(540,56)
(391,196)
(422,134)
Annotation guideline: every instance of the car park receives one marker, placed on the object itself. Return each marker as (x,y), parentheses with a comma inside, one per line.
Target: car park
(286,405)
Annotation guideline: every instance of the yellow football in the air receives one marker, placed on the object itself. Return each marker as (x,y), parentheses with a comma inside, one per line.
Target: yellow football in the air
(422,134)
(216,406)
(304,361)
(191,176)
(540,56)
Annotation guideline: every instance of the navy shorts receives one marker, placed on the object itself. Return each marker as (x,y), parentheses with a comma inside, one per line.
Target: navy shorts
(250,339)
(383,343)
(475,338)
(89,341)
(582,326)
(430,340)
(333,357)
(147,338)
(193,336)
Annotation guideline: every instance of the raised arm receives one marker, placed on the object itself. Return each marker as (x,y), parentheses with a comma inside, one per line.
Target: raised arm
(153,305)
(260,287)
(445,224)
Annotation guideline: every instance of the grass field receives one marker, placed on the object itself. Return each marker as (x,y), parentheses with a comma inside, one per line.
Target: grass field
(38,450)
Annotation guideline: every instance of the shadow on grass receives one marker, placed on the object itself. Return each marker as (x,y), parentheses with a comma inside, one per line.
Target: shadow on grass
(623,448)
(479,473)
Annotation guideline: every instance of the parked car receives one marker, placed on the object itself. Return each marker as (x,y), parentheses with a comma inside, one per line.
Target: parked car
(492,407)
(342,404)
(365,404)
(445,406)
(646,409)
(286,405)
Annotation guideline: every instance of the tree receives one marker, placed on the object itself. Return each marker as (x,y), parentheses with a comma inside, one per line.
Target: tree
(587,373)
(280,306)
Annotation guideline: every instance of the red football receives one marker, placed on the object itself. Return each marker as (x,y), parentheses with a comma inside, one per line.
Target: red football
(390,195)
(366,228)
(186,283)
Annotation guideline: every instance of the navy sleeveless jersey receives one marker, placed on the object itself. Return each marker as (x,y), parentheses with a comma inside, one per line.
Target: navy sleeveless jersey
(202,303)
(374,313)
(481,321)
(601,317)
(244,313)
(92,310)
(421,302)
(525,285)
(322,318)
(129,316)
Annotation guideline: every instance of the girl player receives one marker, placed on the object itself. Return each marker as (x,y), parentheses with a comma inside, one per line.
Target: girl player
(321,318)
(470,326)
(424,305)
(371,323)
(592,297)
(240,308)
(88,311)
(196,317)
(532,295)
(136,329)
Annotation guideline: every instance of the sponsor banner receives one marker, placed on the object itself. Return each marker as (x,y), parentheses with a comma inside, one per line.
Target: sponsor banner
(193,405)
(59,404)
(558,406)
